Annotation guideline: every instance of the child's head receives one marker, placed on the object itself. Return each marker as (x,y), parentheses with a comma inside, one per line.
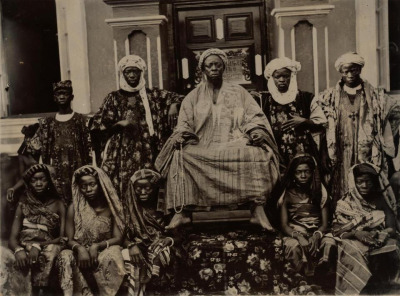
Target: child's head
(366,179)
(88,182)
(303,169)
(39,182)
(144,184)
(37,179)
(89,187)
(63,94)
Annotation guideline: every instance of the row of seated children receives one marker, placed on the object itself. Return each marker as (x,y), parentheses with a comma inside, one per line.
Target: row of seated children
(98,246)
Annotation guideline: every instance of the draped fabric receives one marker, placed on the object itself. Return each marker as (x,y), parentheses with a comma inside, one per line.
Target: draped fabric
(105,280)
(366,135)
(352,208)
(222,168)
(146,228)
(355,213)
(87,224)
(91,228)
(39,225)
(14,281)
(142,226)
(137,62)
(131,149)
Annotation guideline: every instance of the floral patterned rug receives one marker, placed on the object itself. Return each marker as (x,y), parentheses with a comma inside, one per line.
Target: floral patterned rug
(240,262)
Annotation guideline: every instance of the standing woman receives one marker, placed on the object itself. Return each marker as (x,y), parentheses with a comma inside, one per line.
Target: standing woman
(94,228)
(36,235)
(135,121)
(293,114)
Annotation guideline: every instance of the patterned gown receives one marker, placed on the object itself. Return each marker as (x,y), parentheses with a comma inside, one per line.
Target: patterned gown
(132,149)
(65,145)
(298,140)
(109,273)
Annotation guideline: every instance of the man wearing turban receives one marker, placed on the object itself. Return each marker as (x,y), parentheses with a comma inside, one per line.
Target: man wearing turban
(293,114)
(363,124)
(133,123)
(226,154)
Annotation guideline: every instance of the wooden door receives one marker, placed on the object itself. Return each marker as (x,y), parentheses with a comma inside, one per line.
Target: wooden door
(235,27)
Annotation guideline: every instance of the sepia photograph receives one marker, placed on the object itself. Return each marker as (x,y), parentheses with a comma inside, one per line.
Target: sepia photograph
(199,147)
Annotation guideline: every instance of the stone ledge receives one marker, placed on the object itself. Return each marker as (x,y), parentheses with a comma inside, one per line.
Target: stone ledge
(137,21)
(302,10)
(10,133)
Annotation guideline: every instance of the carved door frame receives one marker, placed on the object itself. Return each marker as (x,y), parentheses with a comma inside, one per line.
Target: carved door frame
(251,45)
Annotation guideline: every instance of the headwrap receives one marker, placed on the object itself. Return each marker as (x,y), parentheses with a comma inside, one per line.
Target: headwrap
(83,211)
(138,62)
(144,229)
(280,63)
(364,168)
(142,225)
(213,51)
(153,176)
(34,210)
(349,58)
(65,84)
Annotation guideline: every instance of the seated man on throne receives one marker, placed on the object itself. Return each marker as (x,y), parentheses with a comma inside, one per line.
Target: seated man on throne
(222,154)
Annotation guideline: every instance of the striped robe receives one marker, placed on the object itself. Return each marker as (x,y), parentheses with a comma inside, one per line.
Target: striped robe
(222,168)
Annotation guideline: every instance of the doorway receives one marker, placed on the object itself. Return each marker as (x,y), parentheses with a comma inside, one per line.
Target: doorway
(237,27)
(30,43)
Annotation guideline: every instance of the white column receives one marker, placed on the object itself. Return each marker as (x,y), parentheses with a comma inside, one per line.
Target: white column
(73,50)
(367,39)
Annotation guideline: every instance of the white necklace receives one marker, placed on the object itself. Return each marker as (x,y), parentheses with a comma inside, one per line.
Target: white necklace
(351,90)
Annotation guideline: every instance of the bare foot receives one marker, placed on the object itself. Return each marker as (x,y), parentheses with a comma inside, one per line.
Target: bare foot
(260,218)
(177,220)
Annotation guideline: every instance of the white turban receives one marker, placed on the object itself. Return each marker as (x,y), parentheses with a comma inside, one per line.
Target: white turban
(136,61)
(349,58)
(213,51)
(131,61)
(280,63)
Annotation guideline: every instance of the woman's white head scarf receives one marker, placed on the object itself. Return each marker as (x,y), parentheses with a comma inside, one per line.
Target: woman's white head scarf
(136,61)
(280,63)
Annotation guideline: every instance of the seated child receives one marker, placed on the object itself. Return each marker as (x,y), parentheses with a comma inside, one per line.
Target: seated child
(148,250)
(366,225)
(36,235)
(94,226)
(304,216)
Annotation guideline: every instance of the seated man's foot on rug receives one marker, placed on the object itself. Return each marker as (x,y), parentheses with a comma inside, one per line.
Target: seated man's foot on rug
(177,220)
(259,217)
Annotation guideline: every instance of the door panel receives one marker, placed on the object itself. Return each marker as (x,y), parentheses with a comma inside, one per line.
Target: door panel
(236,30)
